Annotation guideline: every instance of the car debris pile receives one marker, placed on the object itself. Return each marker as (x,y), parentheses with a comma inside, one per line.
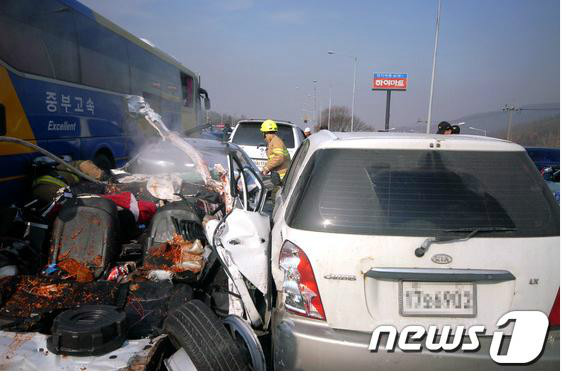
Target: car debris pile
(90,273)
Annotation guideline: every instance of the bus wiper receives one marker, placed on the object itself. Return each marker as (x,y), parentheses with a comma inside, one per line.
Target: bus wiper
(470,232)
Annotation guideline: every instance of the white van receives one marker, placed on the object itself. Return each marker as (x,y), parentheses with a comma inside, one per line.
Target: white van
(247,135)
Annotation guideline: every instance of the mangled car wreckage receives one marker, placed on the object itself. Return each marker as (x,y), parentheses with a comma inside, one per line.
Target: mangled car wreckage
(162,266)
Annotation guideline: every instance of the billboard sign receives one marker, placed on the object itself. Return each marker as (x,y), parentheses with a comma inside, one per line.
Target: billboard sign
(390,81)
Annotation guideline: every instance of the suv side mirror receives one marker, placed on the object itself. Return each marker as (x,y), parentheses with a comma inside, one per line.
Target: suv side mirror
(256,191)
(246,184)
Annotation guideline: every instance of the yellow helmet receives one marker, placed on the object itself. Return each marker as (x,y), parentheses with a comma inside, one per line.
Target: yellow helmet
(269,126)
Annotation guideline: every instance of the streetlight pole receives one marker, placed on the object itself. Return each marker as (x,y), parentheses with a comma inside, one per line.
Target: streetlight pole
(353,86)
(353,90)
(311,108)
(314,100)
(298,102)
(434,62)
(480,130)
(329,115)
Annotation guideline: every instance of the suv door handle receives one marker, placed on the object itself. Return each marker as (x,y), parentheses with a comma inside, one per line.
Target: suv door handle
(440,275)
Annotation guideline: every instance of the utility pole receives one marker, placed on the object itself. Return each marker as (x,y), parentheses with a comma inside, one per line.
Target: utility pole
(329,115)
(353,91)
(314,101)
(510,109)
(434,62)
(355,60)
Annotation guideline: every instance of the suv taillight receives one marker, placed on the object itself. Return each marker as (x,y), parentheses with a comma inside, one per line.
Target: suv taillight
(554,314)
(301,295)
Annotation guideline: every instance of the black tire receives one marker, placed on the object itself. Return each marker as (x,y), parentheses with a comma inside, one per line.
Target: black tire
(204,337)
(103,162)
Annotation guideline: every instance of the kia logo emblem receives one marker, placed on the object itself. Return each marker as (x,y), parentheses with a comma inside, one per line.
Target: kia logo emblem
(441,258)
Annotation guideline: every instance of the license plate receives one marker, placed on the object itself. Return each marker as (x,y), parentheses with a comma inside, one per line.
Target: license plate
(259,162)
(437,299)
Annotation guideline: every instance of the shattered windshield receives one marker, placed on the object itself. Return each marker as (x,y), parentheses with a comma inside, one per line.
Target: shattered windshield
(164,157)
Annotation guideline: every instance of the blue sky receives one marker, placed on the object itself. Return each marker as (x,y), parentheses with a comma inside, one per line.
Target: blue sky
(260,57)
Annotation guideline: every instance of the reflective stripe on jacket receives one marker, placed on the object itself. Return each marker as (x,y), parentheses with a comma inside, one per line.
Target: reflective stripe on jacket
(278,156)
(50,180)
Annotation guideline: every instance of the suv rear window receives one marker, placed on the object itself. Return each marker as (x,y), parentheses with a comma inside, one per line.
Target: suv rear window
(249,134)
(422,193)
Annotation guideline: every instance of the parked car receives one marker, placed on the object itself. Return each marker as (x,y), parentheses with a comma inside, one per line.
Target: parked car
(544,157)
(217,132)
(247,135)
(367,223)
(547,161)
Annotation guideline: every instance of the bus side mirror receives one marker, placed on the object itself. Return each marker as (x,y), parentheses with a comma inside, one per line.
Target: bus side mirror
(203,93)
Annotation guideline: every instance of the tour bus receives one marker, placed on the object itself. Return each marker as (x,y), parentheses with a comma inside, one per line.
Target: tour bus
(64,74)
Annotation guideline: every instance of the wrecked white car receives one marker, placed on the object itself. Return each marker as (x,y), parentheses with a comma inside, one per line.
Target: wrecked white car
(127,277)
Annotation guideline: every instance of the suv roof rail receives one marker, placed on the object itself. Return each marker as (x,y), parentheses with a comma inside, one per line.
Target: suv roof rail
(276,120)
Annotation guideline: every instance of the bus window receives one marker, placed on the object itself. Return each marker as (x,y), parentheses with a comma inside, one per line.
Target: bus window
(145,68)
(104,56)
(21,44)
(2,120)
(170,81)
(58,31)
(187,90)
(39,38)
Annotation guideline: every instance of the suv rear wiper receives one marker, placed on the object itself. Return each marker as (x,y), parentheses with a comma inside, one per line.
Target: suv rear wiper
(471,232)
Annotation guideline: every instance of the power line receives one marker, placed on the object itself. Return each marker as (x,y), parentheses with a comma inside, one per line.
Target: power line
(539,109)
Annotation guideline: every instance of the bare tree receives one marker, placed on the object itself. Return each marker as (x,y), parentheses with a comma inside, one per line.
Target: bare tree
(341,119)
(221,118)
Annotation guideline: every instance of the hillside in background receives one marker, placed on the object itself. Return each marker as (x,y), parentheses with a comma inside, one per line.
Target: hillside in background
(543,132)
(533,125)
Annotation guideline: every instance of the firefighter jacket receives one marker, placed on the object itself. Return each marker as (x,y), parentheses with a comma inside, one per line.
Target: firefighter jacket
(278,157)
(45,187)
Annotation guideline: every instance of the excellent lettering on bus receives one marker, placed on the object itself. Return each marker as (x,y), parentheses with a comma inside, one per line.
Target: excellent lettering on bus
(65,126)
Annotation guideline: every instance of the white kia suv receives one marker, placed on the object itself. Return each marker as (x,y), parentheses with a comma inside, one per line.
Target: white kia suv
(247,135)
(393,229)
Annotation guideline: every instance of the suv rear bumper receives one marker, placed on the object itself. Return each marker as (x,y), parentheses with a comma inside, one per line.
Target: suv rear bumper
(304,344)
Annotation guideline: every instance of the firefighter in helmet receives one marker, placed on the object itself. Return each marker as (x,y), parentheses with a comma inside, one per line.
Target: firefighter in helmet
(278,156)
(50,177)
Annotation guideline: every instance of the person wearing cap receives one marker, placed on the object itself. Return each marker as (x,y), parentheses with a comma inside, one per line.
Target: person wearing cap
(444,128)
(278,156)
(307,132)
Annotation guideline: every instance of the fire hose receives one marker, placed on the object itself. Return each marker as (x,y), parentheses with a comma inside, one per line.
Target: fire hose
(52,156)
